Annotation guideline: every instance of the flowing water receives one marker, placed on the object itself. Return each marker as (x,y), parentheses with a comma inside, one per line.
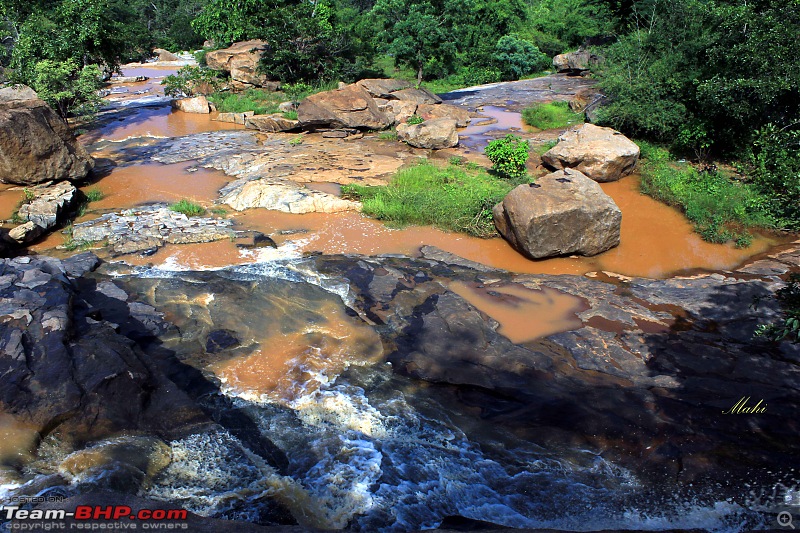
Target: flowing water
(369,449)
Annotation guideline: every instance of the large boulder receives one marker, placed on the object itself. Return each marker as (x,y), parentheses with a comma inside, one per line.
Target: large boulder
(241,61)
(603,154)
(35,144)
(165,55)
(434,111)
(399,111)
(562,213)
(349,107)
(576,63)
(433,134)
(197,104)
(270,123)
(420,96)
(383,87)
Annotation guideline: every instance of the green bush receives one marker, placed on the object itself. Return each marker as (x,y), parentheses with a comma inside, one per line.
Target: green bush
(190,81)
(415,119)
(69,89)
(550,116)
(774,166)
(452,198)
(788,327)
(517,57)
(188,208)
(509,156)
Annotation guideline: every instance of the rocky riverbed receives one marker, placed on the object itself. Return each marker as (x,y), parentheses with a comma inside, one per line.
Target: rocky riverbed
(356,377)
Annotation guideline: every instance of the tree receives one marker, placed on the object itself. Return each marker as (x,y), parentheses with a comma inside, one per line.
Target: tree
(67,87)
(516,57)
(417,34)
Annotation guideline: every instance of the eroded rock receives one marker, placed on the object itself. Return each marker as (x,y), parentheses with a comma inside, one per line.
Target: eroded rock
(49,207)
(350,107)
(562,213)
(602,154)
(241,61)
(432,134)
(36,145)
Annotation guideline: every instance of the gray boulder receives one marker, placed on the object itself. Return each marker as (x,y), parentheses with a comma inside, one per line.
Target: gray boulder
(49,207)
(432,134)
(562,213)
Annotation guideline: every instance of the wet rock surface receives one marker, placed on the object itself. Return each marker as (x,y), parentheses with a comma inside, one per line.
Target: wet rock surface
(562,213)
(146,228)
(35,144)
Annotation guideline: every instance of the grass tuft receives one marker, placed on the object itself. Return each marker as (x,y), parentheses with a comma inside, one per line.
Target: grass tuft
(188,208)
(452,198)
(550,116)
(94,195)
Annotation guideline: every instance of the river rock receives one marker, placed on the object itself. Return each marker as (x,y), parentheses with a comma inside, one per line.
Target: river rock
(399,111)
(197,104)
(235,118)
(35,144)
(603,154)
(384,87)
(578,62)
(49,207)
(434,111)
(144,228)
(165,55)
(351,107)
(285,196)
(270,123)
(432,134)
(241,61)
(562,213)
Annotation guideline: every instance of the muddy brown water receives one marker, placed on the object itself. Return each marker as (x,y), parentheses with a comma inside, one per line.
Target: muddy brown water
(161,121)
(10,198)
(524,314)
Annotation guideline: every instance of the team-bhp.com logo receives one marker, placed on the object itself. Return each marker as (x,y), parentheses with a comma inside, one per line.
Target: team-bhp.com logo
(92,517)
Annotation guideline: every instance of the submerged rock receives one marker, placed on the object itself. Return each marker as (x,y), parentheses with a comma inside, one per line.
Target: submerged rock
(562,213)
(36,145)
(602,154)
(432,134)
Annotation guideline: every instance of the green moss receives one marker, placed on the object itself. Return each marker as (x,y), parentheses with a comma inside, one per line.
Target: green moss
(451,198)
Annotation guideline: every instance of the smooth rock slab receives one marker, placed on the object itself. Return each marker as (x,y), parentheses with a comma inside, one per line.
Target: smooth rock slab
(349,107)
(563,213)
(602,154)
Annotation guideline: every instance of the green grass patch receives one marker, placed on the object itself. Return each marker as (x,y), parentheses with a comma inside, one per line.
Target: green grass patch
(219,211)
(261,101)
(291,115)
(550,116)
(453,198)
(721,209)
(388,135)
(540,149)
(94,195)
(188,208)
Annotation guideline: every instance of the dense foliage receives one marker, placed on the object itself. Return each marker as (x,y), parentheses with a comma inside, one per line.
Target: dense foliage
(509,156)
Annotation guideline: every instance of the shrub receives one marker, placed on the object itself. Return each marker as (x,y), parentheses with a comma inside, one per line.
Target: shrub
(453,198)
(509,156)
(190,81)
(788,327)
(415,119)
(517,57)
(552,115)
(69,89)
(775,170)
(188,208)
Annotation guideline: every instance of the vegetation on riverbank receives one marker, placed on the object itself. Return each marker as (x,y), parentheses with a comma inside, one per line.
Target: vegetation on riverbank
(453,197)
(721,208)
(551,115)
(188,208)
